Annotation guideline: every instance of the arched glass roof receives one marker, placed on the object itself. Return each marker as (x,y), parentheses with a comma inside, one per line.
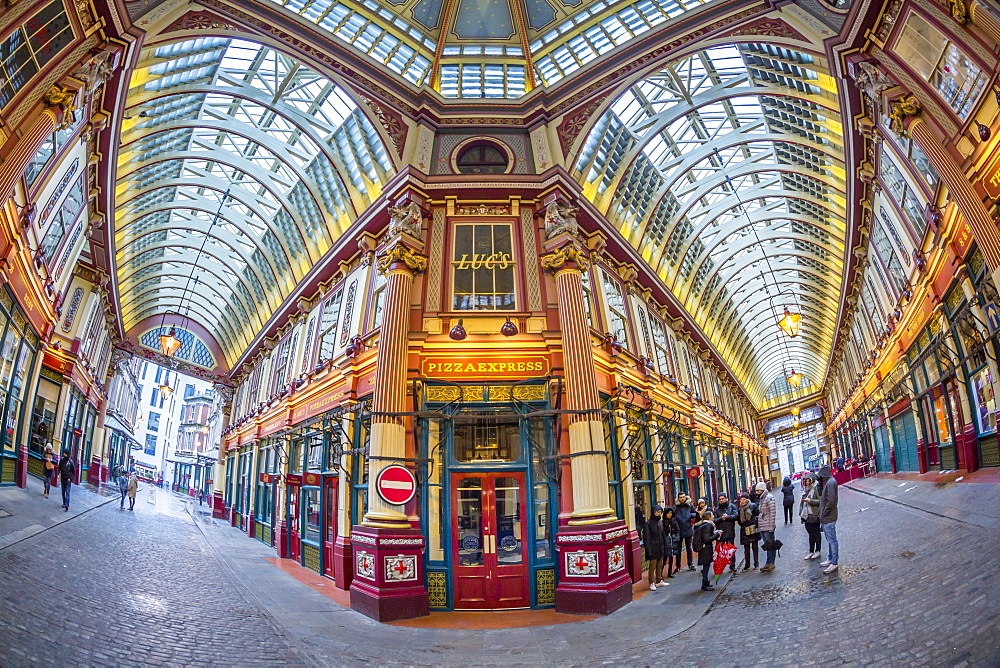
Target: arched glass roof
(486,48)
(242,160)
(725,170)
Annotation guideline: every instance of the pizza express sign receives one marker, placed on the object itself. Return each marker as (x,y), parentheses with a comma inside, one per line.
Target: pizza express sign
(479,368)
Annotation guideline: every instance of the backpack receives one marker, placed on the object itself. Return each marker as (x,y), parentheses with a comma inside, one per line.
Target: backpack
(697,543)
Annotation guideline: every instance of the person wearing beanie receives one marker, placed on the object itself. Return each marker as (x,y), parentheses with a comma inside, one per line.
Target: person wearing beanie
(654,540)
(766,522)
(788,498)
(828,517)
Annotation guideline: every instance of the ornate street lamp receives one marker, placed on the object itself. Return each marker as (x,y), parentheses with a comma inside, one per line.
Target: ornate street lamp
(169,343)
(165,389)
(794,379)
(790,322)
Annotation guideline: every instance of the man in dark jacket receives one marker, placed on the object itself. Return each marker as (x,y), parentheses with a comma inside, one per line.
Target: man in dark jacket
(67,471)
(683,513)
(828,517)
(654,540)
(726,515)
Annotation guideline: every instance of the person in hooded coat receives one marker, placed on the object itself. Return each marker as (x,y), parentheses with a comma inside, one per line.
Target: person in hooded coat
(749,535)
(673,534)
(684,514)
(707,535)
(654,540)
(788,498)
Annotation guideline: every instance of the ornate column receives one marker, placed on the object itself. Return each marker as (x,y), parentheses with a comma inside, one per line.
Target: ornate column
(388,581)
(905,114)
(985,17)
(59,112)
(592,546)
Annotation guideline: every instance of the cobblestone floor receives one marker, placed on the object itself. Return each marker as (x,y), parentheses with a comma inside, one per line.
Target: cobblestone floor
(113,587)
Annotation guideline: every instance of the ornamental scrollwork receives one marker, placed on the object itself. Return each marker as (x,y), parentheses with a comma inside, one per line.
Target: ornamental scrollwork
(65,99)
(560,257)
(900,110)
(401,253)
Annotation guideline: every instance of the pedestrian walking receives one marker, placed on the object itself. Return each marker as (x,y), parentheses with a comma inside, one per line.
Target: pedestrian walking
(684,514)
(49,469)
(766,521)
(787,498)
(672,532)
(828,517)
(654,541)
(749,535)
(809,514)
(67,471)
(726,515)
(133,488)
(705,535)
(122,485)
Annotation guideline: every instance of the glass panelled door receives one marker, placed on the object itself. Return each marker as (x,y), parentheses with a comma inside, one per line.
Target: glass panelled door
(490,564)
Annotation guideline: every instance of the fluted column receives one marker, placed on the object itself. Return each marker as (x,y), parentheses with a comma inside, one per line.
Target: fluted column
(400,263)
(59,112)
(960,190)
(986,18)
(591,502)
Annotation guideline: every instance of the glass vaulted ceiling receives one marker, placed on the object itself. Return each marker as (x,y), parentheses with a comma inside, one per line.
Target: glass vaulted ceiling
(299,162)
(486,48)
(725,171)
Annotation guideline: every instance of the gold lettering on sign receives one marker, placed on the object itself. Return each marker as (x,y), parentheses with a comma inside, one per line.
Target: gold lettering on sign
(483,261)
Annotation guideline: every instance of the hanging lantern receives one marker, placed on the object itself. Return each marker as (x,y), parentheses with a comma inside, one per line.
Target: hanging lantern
(169,343)
(795,410)
(508,328)
(789,323)
(458,332)
(165,390)
(794,379)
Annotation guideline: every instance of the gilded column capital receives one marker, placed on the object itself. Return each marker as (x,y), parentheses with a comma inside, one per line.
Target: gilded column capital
(65,100)
(568,257)
(958,11)
(400,255)
(901,109)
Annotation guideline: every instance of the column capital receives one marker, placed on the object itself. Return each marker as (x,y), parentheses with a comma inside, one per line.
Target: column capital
(399,256)
(62,99)
(569,257)
(902,111)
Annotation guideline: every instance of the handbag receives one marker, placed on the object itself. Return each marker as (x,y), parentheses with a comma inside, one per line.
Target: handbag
(750,530)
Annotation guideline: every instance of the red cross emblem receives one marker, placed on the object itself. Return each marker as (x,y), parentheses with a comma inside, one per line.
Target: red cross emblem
(400,567)
(581,563)
(615,558)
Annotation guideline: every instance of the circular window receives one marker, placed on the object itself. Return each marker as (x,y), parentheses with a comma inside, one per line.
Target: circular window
(482,157)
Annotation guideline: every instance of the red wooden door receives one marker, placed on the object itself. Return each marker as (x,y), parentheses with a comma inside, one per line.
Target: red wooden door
(294,544)
(489,541)
(329,523)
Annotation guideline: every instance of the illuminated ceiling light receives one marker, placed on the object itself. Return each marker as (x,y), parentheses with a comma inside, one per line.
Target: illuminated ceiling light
(165,390)
(169,343)
(795,410)
(789,323)
(794,379)
(204,429)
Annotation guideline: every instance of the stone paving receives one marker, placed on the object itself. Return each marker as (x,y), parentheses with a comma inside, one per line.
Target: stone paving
(26,512)
(154,588)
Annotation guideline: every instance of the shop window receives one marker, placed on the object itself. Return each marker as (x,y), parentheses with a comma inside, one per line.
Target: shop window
(328,325)
(617,313)
(482,158)
(487,440)
(314,456)
(30,48)
(48,151)
(311,510)
(483,265)
(62,220)
(902,195)
(956,78)
(281,360)
(43,417)
(661,348)
(984,396)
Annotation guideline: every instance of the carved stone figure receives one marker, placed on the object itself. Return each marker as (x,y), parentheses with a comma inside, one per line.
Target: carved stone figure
(560,217)
(406,218)
(64,98)
(871,81)
(95,71)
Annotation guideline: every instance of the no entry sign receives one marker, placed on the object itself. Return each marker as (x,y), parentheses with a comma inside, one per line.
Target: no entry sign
(396,485)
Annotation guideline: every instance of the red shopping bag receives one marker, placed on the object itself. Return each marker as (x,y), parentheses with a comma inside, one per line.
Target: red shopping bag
(723,555)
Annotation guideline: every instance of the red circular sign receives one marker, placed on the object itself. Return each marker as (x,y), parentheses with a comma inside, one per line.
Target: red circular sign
(396,484)
(694,472)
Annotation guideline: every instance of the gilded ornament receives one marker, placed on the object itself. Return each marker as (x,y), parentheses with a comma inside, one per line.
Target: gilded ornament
(64,98)
(958,11)
(901,109)
(557,259)
(401,253)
